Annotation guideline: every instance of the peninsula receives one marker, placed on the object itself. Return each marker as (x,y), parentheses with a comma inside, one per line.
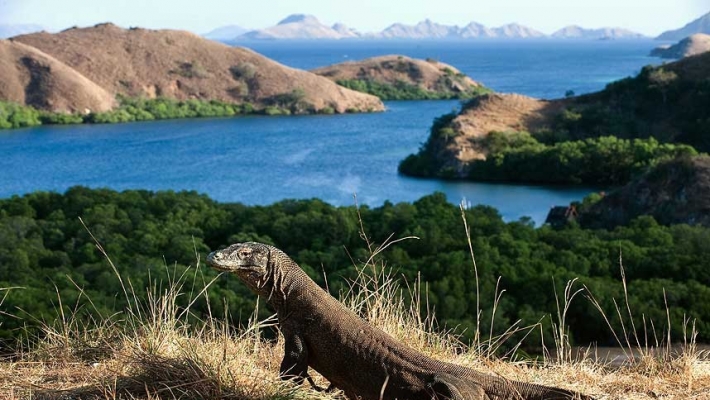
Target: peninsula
(600,138)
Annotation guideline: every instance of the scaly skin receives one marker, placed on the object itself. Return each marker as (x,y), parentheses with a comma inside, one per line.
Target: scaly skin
(361,360)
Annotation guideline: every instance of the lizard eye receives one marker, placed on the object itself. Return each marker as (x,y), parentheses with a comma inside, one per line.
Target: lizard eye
(243,253)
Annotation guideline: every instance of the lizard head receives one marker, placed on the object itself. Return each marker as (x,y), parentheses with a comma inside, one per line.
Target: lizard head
(252,262)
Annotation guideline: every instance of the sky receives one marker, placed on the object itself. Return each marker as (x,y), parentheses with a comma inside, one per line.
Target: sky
(650,17)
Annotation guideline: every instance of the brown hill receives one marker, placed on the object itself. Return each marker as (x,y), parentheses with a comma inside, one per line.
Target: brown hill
(690,46)
(181,65)
(498,113)
(34,78)
(429,75)
(673,193)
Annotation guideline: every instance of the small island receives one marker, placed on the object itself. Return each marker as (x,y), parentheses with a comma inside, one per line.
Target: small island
(397,77)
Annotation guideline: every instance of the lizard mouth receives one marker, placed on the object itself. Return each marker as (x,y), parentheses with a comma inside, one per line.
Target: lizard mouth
(217,261)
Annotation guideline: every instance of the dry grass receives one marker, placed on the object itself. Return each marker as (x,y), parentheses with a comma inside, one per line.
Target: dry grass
(152,351)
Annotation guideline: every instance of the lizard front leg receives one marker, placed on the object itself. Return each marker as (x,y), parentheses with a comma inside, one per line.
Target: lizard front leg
(294,365)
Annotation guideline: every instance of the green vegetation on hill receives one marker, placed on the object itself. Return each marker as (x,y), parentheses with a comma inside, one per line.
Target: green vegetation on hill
(519,157)
(14,115)
(17,116)
(401,90)
(669,103)
(43,245)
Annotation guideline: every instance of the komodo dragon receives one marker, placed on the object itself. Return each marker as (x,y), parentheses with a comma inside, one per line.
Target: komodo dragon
(361,360)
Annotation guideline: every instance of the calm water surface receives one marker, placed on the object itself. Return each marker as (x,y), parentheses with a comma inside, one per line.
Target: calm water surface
(541,68)
(261,160)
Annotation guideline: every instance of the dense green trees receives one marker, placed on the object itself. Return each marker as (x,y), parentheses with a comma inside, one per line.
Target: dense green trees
(520,157)
(669,103)
(16,116)
(140,109)
(604,160)
(43,245)
(401,90)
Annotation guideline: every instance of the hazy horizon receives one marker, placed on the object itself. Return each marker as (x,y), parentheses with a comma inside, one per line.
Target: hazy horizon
(365,16)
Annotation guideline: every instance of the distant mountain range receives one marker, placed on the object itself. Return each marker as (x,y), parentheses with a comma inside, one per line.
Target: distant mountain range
(228,32)
(10,30)
(577,32)
(428,29)
(700,25)
(301,26)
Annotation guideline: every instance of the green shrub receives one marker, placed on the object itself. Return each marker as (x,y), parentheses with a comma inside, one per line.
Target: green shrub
(402,90)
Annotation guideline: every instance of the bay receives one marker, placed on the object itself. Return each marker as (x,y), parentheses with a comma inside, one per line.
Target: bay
(260,160)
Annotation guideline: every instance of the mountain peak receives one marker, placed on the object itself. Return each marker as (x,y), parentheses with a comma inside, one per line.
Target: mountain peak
(299,18)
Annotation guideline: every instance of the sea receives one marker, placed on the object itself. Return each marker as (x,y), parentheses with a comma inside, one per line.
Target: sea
(341,159)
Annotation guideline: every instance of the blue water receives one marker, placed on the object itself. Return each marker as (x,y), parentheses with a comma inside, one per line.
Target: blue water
(260,160)
(540,68)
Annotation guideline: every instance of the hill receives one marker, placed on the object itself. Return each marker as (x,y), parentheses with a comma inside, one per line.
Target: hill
(181,65)
(666,104)
(690,46)
(577,32)
(225,33)
(34,78)
(402,78)
(675,192)
(301,26)
(700,25)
